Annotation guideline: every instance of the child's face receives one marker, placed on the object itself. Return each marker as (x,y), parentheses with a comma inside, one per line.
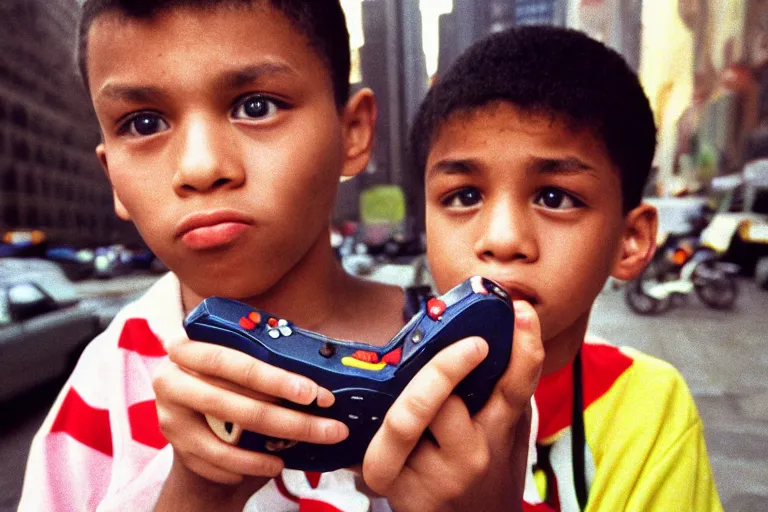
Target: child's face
(523,200)
(221,139)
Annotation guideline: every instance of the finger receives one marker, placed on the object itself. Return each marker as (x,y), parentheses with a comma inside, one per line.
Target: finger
(222,459)
(522,442)
(454,432)
(193,439)
(408,493)
(178,387)
(515,388)
(210,471)
(247,372)
(415,408)
(461,454)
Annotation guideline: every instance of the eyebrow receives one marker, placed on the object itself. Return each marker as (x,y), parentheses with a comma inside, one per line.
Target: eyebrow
(451,166)
(563,166)
(250,74)
(231,79)
(130,93)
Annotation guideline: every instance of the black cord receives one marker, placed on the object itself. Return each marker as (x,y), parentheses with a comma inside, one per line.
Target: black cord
(578,438)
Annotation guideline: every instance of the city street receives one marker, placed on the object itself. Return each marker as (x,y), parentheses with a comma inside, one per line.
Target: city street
(722,355)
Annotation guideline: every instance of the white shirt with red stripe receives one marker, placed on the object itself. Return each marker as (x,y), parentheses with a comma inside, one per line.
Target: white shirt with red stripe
(101,449)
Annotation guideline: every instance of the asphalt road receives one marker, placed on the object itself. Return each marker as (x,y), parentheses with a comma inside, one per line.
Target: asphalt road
(722,355)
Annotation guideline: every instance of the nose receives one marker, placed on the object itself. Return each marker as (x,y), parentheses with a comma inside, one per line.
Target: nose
(506,234)
(207,160)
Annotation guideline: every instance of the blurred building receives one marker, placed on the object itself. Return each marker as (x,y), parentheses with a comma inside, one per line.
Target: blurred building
(49,176)
(540,12)
(392,64)
(617,23)
(471,20)
(468,22)
(704,65)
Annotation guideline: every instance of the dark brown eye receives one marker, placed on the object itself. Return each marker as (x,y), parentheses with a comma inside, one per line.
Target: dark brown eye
(256,107)
(143,125)
(556,199)
(464,198)
(146,124)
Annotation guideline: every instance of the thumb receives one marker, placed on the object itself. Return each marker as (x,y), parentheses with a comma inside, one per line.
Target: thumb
(513,392)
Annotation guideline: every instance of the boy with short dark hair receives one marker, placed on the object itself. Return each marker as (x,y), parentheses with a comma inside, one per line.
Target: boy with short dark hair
(226,125)
(534,149)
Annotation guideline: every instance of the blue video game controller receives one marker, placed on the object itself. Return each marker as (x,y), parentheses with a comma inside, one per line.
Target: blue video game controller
(364,379)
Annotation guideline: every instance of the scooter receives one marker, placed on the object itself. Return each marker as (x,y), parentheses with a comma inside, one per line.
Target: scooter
(679,267)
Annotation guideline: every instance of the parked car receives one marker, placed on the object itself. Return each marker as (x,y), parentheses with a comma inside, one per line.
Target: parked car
(739,229)
(112,261)
(77,264)
(42,328)
(23,243)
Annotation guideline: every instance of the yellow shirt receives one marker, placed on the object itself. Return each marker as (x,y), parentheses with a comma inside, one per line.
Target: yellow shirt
(645,441)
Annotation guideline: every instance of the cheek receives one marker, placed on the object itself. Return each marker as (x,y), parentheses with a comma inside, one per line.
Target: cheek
(447,253)
(312,160)
(137,182)
(585,260)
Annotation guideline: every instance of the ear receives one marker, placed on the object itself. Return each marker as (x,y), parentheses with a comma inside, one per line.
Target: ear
(638,243)
(359,128)
(120,210)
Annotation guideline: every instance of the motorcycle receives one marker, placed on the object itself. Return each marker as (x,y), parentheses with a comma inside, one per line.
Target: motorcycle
(680,267)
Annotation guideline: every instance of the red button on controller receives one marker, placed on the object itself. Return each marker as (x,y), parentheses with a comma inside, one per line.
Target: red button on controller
(435,308)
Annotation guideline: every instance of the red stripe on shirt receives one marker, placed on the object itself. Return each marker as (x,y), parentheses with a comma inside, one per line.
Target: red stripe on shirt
(284,490)
(602,366)
(307,505)
(87,424)
(138,337)
(145,427)
(313,477)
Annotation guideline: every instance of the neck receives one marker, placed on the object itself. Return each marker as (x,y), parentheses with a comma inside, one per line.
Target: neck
(307,295)
(562,348)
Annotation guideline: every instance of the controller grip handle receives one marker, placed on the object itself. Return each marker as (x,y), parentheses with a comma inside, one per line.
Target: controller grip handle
(227,431)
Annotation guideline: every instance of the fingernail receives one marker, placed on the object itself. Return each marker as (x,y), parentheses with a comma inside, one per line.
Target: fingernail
(305,390)
(325,398)
(479,347)
(336,431)
(523,315)
(274,468)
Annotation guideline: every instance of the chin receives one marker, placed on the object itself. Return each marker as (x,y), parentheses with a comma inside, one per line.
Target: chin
(231,286)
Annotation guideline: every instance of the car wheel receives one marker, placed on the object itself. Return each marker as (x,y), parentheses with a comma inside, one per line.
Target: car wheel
(642,303)
(718,290)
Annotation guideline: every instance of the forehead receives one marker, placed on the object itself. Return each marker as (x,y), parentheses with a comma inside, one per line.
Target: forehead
(191,43)
(505,123)
(502,132)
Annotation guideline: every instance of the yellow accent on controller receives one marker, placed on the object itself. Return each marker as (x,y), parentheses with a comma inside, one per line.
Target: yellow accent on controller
(356,363)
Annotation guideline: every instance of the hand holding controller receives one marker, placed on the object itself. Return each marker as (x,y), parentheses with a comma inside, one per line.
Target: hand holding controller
(365,379)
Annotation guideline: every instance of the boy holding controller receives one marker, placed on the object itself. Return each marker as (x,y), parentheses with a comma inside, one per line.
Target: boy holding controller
(534,149)
(226,125)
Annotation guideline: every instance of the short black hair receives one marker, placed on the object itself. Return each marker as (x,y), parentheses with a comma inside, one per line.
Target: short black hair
(322,22)
(553,71)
